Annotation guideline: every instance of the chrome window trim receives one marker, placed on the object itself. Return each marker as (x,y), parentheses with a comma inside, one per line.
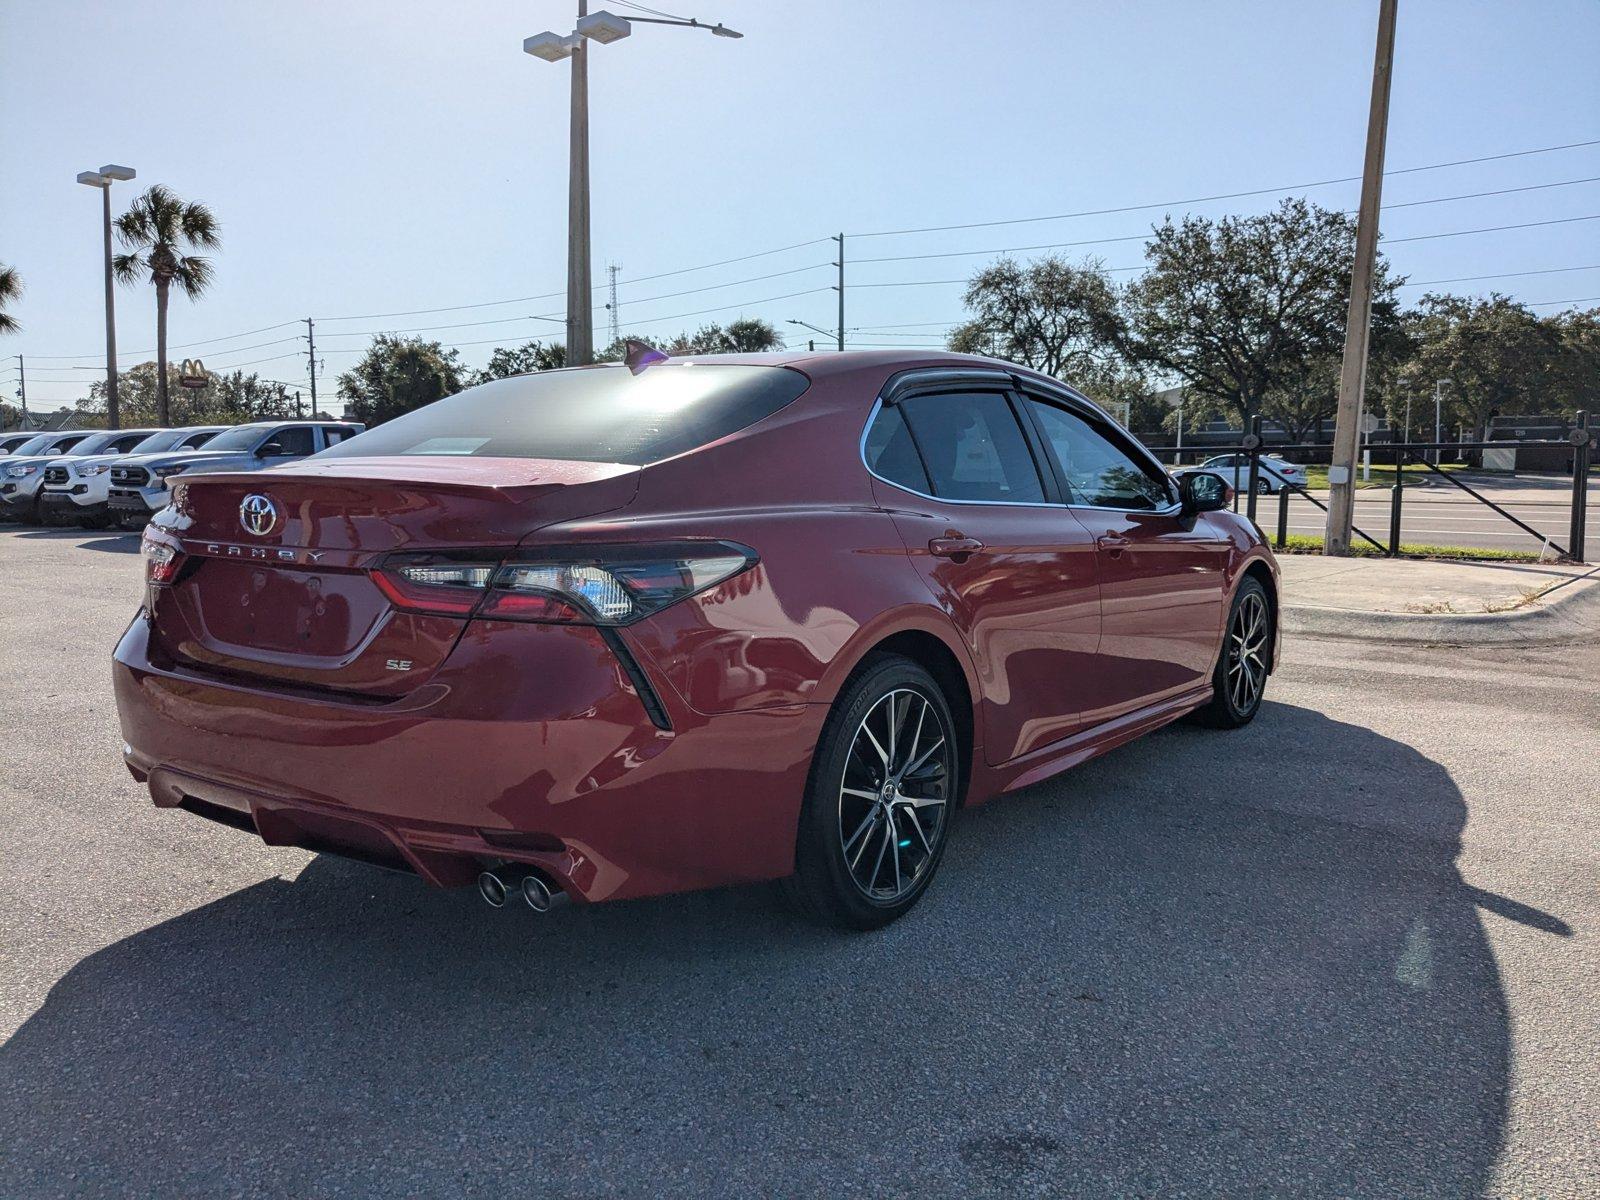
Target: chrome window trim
(901,382)
(878,406)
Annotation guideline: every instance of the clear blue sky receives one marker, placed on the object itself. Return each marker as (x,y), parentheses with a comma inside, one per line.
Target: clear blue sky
(374,157)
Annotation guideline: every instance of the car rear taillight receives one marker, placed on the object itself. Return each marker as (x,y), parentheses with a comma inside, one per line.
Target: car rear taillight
(162,559)
(452,584)
(574,585)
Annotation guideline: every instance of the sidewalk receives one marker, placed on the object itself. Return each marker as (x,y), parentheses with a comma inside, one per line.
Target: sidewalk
(1407,600)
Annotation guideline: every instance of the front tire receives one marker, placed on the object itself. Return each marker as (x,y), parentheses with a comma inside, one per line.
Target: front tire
(883,784)
(1240,678)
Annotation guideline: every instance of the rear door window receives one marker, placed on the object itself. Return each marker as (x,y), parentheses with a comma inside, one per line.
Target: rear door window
(973,448)
(891,454)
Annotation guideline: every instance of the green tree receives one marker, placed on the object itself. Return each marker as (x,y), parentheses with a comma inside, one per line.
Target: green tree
(156,229)
(398,375)
(1299,402)
(224,400)
(10,293)
(1049,314)
(1574,383)
(520,360)
(1124,390)
(1499,356)
(1241,307)
(748,335)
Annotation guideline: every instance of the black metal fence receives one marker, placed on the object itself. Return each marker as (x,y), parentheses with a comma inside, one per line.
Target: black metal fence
(1580,443)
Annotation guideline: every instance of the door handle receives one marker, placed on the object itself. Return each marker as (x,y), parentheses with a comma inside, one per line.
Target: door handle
(1112,543)
(955,547)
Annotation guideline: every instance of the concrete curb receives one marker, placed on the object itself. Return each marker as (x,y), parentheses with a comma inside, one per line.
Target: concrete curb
(1570,617)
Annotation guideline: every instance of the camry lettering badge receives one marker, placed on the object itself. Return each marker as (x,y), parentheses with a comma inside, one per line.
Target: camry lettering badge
(258,514)
(225,550)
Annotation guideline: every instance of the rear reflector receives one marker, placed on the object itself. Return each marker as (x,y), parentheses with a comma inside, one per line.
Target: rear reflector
(583,585)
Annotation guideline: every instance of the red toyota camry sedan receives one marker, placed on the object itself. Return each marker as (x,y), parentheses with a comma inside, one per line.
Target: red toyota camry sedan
(632,629)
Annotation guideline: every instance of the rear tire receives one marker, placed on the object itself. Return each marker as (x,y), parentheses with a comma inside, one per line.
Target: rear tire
(883,785)
(1240,678)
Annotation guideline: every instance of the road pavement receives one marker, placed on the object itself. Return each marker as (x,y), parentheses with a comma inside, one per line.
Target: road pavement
(1444,516)
(1347,951)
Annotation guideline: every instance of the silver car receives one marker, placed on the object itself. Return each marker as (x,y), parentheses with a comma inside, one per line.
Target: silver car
(22,471)
(139,484)
(77,486)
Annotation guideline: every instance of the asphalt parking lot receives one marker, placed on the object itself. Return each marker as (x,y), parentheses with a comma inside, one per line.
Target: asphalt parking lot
(1348,951)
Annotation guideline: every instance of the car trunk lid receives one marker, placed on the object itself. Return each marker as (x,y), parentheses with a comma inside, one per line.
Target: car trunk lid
(277,582)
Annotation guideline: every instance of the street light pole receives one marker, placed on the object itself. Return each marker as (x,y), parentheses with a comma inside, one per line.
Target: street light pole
(103,179)
(602,27)
(580,322)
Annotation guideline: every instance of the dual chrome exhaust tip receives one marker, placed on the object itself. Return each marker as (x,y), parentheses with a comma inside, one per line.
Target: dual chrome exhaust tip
(498,885)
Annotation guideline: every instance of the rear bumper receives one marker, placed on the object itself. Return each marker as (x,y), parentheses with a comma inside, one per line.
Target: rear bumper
(526,746)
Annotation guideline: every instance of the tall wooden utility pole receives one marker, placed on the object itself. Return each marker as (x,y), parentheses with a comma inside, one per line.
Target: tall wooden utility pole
(1353,374)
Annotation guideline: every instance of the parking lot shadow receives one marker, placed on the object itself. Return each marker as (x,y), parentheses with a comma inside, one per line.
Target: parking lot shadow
(1207,964)
(115,540)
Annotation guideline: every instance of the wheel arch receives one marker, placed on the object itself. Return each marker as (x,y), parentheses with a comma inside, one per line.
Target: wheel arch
(942,659)
(1259,570)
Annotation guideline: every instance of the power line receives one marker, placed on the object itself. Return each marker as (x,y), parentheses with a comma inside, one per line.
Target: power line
(1579,300)
(654,12)
(419,312)
(181,346)
(724,308)
(1531,187)
(1100,212)
(1502,275)
(1424,237)
(728,261)
(1141,237)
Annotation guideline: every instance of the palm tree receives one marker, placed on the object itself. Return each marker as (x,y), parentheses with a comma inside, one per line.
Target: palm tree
(155,228)
(10,289)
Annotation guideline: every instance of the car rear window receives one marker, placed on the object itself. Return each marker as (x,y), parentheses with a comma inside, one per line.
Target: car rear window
(588,414)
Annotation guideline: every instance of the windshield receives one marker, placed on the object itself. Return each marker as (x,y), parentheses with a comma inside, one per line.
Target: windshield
(93,443)
(240,437)
(588,414)
(34,444)
(157,441)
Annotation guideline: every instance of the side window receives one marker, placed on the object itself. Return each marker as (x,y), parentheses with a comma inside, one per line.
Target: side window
(891,453)
(289,443)
(1097,471)
(195,440)
(333,436)
(974,448)
(123,445)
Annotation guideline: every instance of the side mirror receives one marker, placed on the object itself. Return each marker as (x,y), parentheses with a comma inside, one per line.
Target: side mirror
(1203,491)
(271,450)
